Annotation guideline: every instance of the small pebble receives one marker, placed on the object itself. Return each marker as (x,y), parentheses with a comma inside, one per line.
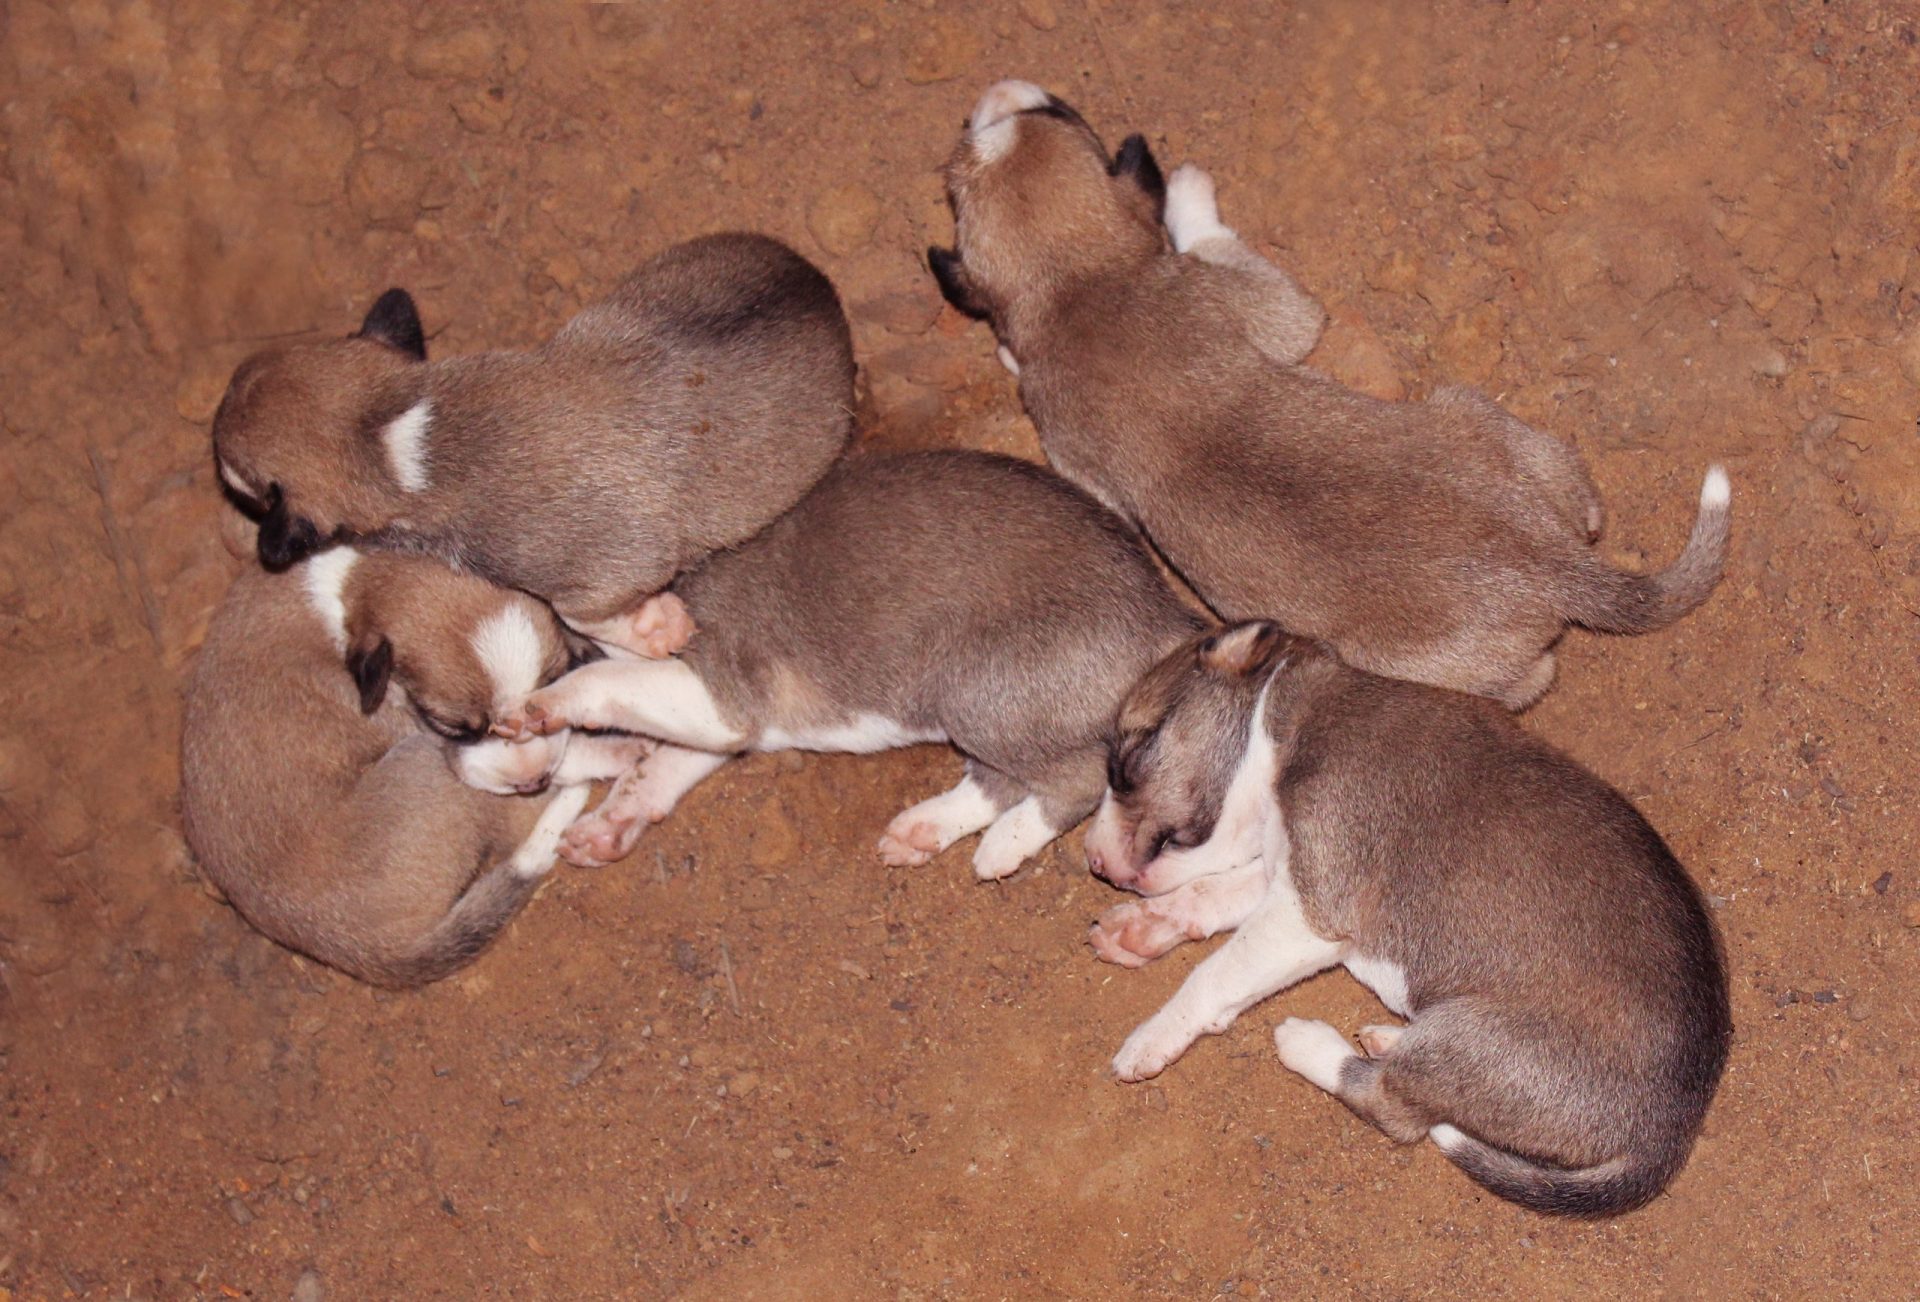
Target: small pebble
(309,1287)
(1881,883)
(239,1211)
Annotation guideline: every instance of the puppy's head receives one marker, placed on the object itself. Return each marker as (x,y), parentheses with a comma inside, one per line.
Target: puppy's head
(462,651)
(300,437)
(1037,200)
(1190,768)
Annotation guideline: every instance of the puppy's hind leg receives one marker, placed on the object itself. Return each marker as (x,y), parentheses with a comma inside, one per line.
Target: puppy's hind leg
(922,831)
(1281,319)
(1064,792)
(1322,1055)
(1531,685)
(656,628)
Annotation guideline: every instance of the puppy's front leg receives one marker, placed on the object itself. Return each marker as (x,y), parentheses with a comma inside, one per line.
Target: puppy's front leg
(1282,319)
(1135,933)
(664,699)
(643,797)
(1273,949)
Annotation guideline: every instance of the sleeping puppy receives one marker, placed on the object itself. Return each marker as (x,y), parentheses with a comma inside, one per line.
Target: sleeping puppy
(695,404)
(326,804)
(1440,541)
(1568,1003)
(939,596)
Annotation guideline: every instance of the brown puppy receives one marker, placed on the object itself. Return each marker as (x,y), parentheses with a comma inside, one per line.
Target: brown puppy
(1440,541)
(694,405)
(1566,990)
(941,596)
(326,810)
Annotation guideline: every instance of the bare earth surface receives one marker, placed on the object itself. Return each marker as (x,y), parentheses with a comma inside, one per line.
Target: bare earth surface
(751,1061)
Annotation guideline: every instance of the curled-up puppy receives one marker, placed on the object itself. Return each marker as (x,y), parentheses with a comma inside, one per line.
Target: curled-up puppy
(941,596)
(1441,541)
(326,805)
(1566,995)
(680,415)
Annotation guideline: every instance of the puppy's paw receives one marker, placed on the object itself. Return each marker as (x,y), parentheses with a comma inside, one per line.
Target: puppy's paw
(661,627)
(531,719)
(1379,1041)
(1314,1050)
(601,837)
(1192,211)
(907,847)
(1151,1049)
(1133,935)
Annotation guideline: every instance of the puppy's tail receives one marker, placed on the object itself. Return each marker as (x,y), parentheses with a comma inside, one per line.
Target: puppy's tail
(1612,601)
(488,904)
(1608,1189)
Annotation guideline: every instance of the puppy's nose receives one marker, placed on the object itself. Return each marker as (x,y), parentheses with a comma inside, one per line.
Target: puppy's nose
(1097,863)
(536,786)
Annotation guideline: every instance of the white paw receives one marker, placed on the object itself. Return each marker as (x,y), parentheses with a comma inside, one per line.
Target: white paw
(1016,836)
(1314,1050)
(1193,212)
(1150,1050)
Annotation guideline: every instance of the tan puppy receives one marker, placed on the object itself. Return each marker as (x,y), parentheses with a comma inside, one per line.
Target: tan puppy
(1440,541)
(328,812)
(1568,1003)
(694,405)
(941,596)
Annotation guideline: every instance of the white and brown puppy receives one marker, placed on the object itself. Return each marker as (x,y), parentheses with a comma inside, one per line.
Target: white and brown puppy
(680,415)
(1566,995)
(328,810)
(1442,541)
(940,596)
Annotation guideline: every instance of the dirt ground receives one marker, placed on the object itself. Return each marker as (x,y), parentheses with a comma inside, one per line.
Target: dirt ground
(750,1061)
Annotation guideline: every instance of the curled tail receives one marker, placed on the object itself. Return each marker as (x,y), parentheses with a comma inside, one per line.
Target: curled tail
(1612,601)
(1607,1189)
(488,904)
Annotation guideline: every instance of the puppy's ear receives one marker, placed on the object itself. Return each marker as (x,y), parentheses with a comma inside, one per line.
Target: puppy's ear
(285,538)
(371,664)
(955,286)
(1136,163)
(1244,649)
(394,321)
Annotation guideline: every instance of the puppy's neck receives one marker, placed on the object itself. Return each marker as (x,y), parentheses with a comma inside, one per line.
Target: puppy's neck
(326,583)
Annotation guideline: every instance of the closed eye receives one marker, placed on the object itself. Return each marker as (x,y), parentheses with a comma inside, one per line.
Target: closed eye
(461,733)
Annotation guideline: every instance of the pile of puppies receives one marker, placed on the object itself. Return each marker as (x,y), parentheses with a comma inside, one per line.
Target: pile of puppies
(637,551)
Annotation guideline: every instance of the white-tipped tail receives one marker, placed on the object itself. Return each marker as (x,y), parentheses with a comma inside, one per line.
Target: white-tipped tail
(1718,490)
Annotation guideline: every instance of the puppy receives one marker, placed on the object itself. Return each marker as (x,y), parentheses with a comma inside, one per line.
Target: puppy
(324,805)
(1441,541)
(1568,1003)
(940,596)
(681,415)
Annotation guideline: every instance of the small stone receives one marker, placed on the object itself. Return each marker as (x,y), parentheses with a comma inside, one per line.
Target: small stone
(1881,883)
(1770,362)
(239,1212)
(384,187)
(743,1084)
(1353,354)
(467,53)
(1858,1009)
(1040,14)
(864,66)
(903,312)
(1825,997)
(781,1153)
(309,1287)
(843,218)
(1911,914)
(946,47)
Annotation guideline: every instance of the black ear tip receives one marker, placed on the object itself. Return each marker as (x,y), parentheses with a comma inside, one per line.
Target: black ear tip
(395,321)
(371,668)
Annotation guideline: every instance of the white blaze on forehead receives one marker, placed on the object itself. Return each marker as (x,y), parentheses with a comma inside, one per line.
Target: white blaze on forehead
(992,123)
(406,440)
(326,580)
(508,645)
